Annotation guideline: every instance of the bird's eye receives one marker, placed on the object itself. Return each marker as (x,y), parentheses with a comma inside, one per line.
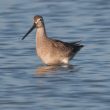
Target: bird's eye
(40,20)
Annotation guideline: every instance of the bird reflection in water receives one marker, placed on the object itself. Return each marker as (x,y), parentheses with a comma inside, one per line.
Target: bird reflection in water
(52,69)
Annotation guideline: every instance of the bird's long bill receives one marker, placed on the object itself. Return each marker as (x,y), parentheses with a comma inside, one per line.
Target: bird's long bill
(29,31)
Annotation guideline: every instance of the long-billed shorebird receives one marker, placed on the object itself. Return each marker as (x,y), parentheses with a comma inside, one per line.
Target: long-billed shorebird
(51,51)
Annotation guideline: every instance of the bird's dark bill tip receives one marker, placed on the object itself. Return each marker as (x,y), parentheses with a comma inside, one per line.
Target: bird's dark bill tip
(28,31)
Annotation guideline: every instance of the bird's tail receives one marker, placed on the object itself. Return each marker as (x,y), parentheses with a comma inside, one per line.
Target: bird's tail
(77,46)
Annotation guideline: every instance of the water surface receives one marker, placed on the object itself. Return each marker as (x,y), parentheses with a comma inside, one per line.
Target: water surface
(27,84)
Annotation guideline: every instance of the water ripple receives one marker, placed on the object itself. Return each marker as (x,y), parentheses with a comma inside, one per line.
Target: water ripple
(25,83)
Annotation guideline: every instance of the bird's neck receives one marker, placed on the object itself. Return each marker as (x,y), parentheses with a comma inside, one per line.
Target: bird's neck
(41,36)
(41,32)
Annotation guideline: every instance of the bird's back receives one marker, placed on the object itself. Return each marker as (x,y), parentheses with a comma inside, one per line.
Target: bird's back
(67,48)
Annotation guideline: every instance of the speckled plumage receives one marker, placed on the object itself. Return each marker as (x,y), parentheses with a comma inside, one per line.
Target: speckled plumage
(51,51)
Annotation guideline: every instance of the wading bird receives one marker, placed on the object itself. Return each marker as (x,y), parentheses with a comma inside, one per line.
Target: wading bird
(51,51)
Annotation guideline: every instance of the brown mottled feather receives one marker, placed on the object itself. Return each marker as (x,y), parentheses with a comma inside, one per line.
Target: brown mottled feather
(65,48)
(49,50)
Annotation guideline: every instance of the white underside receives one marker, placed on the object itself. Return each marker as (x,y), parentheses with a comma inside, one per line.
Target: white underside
(65,61)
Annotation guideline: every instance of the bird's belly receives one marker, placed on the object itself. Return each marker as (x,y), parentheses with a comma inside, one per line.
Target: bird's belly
(49,60)
(55,61)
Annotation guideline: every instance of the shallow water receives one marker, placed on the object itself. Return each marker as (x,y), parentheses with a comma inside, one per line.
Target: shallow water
(27,84)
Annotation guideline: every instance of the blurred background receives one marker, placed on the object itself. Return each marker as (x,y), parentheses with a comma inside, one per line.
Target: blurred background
(27,84)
